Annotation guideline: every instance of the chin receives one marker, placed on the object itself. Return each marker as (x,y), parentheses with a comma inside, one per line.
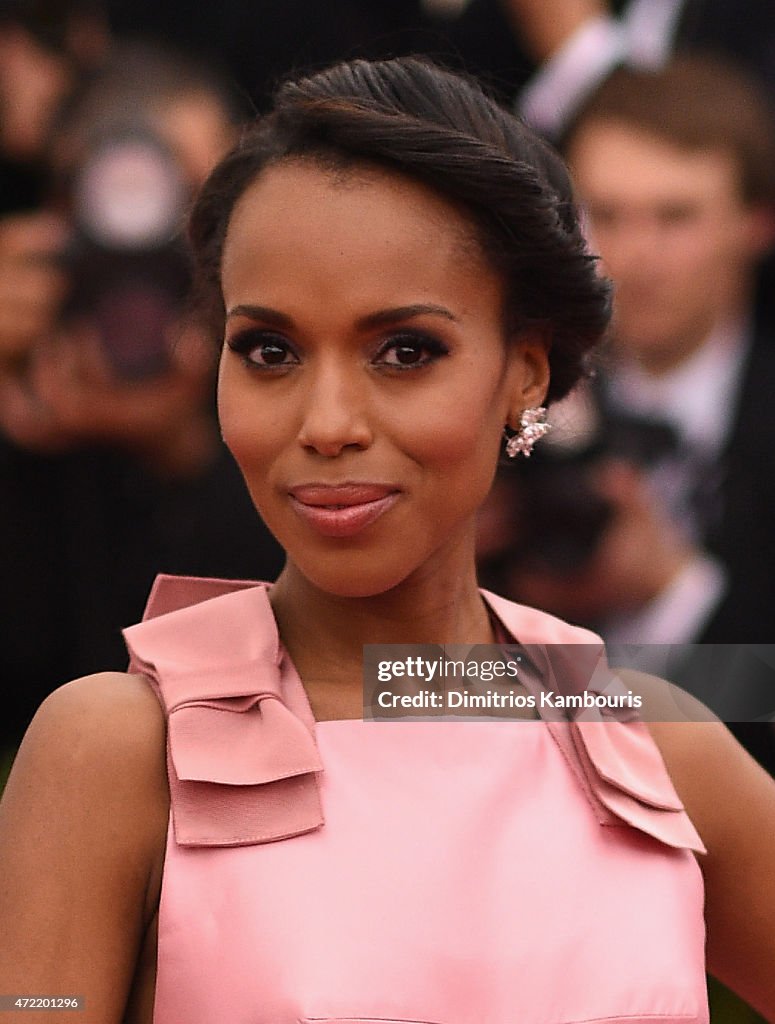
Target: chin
(647,340)
(353,577)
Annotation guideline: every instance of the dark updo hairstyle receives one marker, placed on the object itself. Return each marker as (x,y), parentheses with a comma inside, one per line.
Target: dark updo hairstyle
(412,117)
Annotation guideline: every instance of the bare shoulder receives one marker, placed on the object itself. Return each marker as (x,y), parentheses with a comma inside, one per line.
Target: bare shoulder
(699,752)
(111,721)
(112,699)
(99,735)
(82,829)
(95,749)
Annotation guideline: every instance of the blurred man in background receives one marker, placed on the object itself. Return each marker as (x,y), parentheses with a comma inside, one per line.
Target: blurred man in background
(676,169)
(650,512)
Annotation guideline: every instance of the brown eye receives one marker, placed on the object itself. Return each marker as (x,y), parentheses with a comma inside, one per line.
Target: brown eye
(411,352)
(263,350)
(407,354)
(271,353)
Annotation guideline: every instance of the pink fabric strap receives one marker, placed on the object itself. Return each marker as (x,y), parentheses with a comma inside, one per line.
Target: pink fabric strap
(241,757)
(614,756)
(241,751)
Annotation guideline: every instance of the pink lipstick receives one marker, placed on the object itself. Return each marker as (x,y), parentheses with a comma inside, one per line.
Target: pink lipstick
(342,510)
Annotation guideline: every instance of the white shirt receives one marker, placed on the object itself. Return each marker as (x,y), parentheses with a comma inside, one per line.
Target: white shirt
(698,397)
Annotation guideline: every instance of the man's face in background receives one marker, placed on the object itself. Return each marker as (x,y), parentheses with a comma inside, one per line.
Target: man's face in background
(674,234)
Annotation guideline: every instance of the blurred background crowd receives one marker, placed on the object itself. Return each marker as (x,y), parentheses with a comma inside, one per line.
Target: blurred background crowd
(647,513)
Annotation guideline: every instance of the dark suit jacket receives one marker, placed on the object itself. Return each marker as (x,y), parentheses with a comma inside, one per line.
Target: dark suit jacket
(744,541)
(744,536)
(741,30)
(730,664)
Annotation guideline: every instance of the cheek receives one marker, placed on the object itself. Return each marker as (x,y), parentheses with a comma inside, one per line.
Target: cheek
(251,431)
(697,249)
(456,433)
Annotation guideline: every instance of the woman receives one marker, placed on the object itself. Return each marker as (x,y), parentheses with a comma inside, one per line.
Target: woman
(400,273)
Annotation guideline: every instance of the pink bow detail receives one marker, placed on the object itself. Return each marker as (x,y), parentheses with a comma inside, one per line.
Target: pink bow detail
(241,762)
(613,754)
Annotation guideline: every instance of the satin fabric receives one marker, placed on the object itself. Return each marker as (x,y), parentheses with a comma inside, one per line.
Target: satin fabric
(446,872)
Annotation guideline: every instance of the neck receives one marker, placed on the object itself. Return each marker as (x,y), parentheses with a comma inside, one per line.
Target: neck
(324,633)
(660,361)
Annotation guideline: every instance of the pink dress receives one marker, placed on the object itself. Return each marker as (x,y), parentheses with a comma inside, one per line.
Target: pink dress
(452,872)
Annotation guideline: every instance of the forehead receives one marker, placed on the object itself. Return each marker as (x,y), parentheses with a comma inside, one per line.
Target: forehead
(346,221)
(299,184)
(616,162)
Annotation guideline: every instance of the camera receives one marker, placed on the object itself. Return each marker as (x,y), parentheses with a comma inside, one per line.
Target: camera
(127,262)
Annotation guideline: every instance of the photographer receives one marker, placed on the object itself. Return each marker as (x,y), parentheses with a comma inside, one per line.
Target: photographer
(113,395)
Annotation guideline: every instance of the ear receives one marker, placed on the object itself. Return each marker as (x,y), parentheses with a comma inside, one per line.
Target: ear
(529,372)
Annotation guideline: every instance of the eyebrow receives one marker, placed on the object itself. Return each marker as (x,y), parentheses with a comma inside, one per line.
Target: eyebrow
(380,318)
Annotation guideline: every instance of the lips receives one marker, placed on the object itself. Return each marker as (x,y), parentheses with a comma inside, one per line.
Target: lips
(342,510)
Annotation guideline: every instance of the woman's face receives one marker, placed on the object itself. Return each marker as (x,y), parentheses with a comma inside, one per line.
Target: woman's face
(365,379)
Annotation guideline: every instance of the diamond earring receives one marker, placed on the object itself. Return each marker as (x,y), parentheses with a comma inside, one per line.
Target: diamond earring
(532,427)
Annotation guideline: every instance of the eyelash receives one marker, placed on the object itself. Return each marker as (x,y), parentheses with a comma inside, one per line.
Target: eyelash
(433,348)
(248,341)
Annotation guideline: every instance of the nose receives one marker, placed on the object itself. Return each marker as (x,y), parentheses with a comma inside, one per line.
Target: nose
(334,414)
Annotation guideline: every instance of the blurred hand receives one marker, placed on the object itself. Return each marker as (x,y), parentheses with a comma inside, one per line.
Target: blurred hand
(545,25)
(69,395)
(637,557)
(31,285)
